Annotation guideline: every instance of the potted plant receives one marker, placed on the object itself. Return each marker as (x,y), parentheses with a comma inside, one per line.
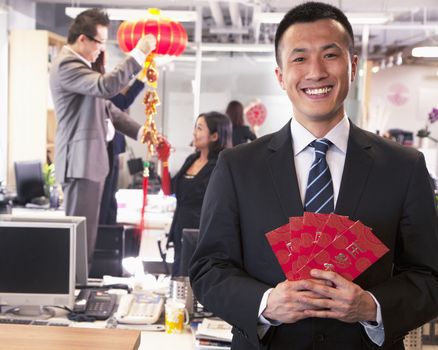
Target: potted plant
(50,187)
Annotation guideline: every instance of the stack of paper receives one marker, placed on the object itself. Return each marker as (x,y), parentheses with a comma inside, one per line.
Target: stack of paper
(213,334)
(326,242)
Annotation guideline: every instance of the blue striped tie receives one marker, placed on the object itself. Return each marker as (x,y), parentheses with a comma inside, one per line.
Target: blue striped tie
(319,191)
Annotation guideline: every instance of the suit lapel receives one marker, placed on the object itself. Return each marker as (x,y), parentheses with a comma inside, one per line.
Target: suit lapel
(358,163)
(282,170)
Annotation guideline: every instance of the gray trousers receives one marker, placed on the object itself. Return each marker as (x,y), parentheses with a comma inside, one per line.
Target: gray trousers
(82,198)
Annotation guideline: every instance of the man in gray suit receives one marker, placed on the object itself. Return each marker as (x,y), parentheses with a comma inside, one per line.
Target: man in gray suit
(84,115)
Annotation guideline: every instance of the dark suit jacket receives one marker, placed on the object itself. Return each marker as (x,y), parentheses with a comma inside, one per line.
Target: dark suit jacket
(254,189)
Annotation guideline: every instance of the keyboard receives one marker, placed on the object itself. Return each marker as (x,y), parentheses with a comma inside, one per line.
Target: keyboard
(32,322)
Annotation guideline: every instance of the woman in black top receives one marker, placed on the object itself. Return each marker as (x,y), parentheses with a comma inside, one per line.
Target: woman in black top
(241,132)
(211,135)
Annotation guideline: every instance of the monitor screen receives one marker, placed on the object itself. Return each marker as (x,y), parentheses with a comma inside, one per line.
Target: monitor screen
(37,263)
(29,180)
(81,238)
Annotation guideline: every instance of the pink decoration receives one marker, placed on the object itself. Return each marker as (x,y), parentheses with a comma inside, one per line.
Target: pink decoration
(256,113)
(398,94)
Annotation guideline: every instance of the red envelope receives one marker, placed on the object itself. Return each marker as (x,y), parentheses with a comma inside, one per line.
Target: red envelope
(298,260)
(312,227)
(349,254)
(333,227)
(279,240)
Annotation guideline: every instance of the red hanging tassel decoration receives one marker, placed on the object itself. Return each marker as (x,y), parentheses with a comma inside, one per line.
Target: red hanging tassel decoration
(145,199)
(163,152)
(150,133)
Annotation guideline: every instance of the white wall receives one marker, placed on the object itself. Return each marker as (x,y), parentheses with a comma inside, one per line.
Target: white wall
(402,97)
(20,14)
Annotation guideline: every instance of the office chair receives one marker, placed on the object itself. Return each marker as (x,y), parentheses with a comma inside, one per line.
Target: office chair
(163,247)
(29,180)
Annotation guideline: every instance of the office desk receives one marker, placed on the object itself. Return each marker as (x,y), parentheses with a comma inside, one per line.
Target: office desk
(159,210)
(163,341)
(158,215)
(20,337)
(24,337)
(38,213)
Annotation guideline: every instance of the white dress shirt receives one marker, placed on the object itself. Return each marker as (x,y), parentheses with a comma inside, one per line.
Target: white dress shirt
(303,158)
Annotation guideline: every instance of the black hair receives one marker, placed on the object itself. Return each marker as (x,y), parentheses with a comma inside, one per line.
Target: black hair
(220,123)
(86,23)
(311,12)
(235,112)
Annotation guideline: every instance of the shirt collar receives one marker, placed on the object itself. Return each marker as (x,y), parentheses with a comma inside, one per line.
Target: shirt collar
(88,63)
(338,135)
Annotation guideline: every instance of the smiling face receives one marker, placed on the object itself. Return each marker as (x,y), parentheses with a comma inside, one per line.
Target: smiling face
(316,70)
(202,136)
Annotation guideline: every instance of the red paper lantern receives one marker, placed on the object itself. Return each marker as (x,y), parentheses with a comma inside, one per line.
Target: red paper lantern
(256,113)
(171,36)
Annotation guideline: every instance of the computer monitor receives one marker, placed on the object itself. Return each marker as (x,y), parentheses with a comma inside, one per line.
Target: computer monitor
(37,265)
(81,238)
(28,180)
(189,242)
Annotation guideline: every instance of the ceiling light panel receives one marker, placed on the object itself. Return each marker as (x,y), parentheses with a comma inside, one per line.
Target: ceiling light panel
(353,17)
(116,14)
(425,51)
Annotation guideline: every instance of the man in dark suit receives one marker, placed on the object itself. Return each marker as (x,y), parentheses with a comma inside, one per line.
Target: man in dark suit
(256,187)
(84,116)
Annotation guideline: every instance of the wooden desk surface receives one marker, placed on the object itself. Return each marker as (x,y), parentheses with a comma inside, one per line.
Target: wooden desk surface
(24,337)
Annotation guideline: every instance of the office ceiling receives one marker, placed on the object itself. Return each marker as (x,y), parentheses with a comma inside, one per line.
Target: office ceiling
(234,21)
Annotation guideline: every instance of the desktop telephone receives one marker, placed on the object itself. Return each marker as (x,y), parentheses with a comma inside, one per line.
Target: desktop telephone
(95,303)
(139,309)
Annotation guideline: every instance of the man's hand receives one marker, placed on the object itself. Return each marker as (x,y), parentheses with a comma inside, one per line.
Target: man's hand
(147,44)
(284,305)
(338,298)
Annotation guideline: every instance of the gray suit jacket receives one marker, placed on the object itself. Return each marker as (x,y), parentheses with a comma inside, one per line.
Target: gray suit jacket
(79,95)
